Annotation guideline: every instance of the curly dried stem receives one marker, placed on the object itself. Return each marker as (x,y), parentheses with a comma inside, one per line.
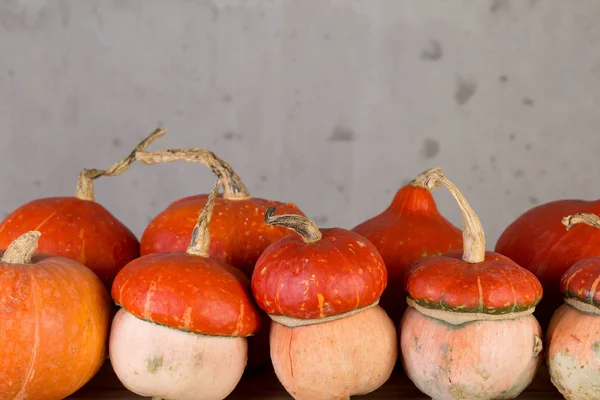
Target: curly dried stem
(581,218)
(233,187)
(299,224)
(200,242)
(22,248)
(85,181)
(419,181)
(473,237)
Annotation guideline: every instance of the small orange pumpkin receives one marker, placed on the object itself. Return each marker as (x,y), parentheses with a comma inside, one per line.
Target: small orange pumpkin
(181,332)
(573,337)
(469,332)
(329,338)
(54,319)
(238,235)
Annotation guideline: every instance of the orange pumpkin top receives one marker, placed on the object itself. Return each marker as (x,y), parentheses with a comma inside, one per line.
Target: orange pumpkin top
(495,285)
(409,229)
(580,282)
(189,293)
(470,281)
(188,290)
(54,321)
(317,274)
(238,233)
(77,227)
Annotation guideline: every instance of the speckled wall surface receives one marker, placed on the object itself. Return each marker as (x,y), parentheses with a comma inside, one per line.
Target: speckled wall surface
(330,104)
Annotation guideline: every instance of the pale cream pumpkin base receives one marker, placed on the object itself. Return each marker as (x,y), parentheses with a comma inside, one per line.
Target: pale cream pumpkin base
(482,360)
(345,357)
(573,355)
(156,361)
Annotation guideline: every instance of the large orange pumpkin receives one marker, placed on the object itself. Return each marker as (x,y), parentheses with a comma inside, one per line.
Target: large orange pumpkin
(54,318)
(77,227)
(238,234)
(538,241)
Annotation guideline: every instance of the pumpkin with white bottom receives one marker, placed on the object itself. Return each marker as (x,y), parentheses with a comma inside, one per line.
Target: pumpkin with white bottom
(573,337)
(329,337)
(469,332)
(181,332)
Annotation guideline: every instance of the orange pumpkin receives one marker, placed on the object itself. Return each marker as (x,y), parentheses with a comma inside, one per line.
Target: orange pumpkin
(573,337)
(181,332)
(409,229)
(536,240)
(54,319)
(77,227)
(238,235)
(469,332)
(329,337)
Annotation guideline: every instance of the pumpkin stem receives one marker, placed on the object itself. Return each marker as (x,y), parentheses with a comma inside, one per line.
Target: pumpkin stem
(233,187)
(473,237)
(200,242)
(22,248)
(85,184)
(419,181)
(581,218)
(299,224)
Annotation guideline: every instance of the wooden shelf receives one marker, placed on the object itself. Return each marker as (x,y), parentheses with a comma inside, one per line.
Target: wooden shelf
(263,384)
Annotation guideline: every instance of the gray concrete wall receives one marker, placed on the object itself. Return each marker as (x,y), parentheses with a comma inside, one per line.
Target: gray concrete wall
(330,104)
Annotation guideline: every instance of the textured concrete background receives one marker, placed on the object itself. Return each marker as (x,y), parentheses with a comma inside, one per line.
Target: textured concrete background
(330,104)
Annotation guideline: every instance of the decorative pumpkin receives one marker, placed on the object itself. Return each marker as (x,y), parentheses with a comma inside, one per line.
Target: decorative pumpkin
(409,229)
(573,338)
(329,337)
(77,227)
(181,332)
(537,241)
(469,332)
(54,316)
(238,235)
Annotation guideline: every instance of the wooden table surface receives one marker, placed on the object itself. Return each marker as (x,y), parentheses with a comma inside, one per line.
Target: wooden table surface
(263,384)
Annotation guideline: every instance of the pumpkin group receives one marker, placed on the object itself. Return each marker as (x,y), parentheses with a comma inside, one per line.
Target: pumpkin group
(218,283)
(469,332)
